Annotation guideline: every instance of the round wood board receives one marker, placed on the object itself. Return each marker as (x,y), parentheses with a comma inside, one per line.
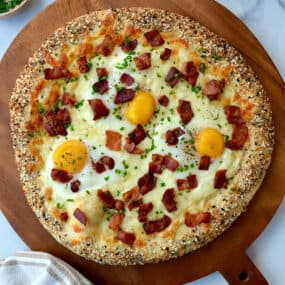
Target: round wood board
(218,255)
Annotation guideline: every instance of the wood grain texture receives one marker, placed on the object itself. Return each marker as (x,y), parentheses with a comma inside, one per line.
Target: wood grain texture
(218,256)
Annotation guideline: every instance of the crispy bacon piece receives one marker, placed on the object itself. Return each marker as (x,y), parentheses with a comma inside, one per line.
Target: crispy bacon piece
(106,47)
(131,147)
(126,237)
(116,221)
(57,72)
(189,183)
(82,64)
(192,220)
(60,176)
(80,216)
(173,76)
(101,72)
(127,79)
(98,108)
(204,163)
(56,122)
(233,114)
(63,216)
(213,89)
(220,179)
(101,86)
(157,163)
(98,166)
(132,198)
(165,54)
(157,225)
(190,72)
(170,163)
(107,199)
(119,204)
(68,99)
(137,135)
(128,45)
(108,161)
(124,95)
(143,61)
(173,135)
(168,200)
(75,185)
(185,111)
(239,137)
(113,140)
(154,38)
(163,100)
(146,183)
(143,211)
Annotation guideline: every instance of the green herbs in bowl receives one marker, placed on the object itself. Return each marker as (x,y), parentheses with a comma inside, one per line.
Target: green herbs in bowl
(8,7)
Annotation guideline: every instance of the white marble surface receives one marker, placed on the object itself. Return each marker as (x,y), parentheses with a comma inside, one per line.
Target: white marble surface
(266,19)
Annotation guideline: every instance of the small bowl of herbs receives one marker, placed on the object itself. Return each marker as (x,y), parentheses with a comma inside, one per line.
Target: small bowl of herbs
(9,7)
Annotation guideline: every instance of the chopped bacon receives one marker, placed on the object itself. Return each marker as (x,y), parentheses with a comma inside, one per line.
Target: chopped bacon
(131,147)
(173,135)
(163,100)
(185,111)
(124,95)
(143,211)
(98,108)
(154,38)
(63,216)
(170,163)
(173,76)
(239,137)
(126,237)
(143,61)
(82,64)
(220,179)
(106,47)
(168,200)
(156,165)
(119,204)
(101,72)
(233,114)
(190,72)
(101,86)
(75,185)
(107,199)
(157,225)
(127,79)
(146,183)
(137,135)
(213,89)
(98,166)
(132,198)
(128,45)
(192,220)
(189,183)
(116,221)
(113,140)
(60,176)
(68,99)
(204,163)
(57,72)
(165,54)
(108,161)
(80,216)
(56,122)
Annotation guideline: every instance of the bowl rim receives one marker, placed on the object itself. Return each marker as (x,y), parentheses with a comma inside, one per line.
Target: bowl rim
(16,8)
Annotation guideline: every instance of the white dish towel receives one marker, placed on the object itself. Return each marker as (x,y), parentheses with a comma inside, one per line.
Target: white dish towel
(38,268)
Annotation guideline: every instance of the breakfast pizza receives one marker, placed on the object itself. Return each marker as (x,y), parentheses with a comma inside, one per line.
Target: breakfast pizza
(139,135)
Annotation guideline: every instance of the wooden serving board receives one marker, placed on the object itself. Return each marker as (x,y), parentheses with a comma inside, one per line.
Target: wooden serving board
(227,253)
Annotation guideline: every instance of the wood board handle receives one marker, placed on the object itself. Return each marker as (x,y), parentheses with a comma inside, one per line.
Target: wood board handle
(240,270)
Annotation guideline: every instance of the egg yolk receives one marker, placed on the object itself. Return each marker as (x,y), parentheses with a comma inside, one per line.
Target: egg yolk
(210,142)
(141,108)
(70,156)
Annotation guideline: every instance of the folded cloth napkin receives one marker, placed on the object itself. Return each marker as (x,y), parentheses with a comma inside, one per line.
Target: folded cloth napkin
(38,268)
